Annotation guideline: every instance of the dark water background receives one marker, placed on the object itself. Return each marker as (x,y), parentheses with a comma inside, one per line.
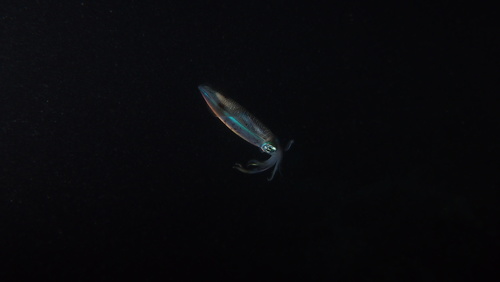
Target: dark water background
(111,166)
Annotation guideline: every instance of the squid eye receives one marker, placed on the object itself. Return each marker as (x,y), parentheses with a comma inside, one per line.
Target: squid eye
(268,148)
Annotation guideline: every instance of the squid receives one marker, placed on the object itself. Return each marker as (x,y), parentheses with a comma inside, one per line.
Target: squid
(249,128)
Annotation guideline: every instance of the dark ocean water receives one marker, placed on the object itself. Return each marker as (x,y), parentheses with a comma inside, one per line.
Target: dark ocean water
(111,166)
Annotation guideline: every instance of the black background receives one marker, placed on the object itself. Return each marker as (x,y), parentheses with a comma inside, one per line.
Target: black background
(111,166)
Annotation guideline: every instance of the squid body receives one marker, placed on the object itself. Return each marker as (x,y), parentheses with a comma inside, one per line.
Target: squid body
(245,125)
